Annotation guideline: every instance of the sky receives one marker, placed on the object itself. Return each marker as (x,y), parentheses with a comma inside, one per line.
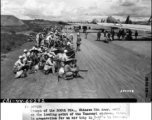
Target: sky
(77,10)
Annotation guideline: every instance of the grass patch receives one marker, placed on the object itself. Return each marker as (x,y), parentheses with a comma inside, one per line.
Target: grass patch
(3,56)
(11,41)
(13,29)
(14,40)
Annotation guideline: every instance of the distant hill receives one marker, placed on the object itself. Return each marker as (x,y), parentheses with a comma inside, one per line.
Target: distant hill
(39,22)
(43,22)
(10,20)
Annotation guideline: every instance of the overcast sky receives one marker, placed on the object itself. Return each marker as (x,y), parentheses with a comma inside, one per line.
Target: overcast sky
(77,10)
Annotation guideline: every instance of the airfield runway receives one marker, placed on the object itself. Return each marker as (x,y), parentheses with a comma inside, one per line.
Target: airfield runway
(111,68)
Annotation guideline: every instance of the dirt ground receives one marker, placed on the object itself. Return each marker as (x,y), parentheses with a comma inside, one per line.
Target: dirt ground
(111,68)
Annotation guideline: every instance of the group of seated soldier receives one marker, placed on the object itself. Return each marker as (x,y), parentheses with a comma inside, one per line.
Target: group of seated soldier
(52,53)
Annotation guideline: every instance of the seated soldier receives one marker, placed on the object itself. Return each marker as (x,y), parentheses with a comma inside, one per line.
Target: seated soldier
(42,42)
(39,49)
(51,50)
(75,68)
(71,43)
(19,64)
(64,42)
(42,48)
(61,57)
(48,53)
(64,56)
(68,43)
(49,65)
(42,61)
(27,64)
(71,37)
(34,47)
(61,71)
(26,55)
(70,70)
(35,58)
(29,60)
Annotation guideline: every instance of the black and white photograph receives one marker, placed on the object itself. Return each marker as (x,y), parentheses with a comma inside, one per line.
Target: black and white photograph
(76,49)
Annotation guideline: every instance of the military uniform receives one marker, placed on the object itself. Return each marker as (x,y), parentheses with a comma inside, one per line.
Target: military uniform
(78,44)
(49,65)
(98,35)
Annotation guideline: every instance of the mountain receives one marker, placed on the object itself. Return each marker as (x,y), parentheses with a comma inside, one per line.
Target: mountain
(10,20)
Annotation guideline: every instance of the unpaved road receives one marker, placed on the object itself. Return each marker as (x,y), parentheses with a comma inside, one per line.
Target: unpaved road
(111,68)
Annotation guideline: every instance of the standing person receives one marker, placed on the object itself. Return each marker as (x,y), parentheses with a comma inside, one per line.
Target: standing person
(105,35)
(123,34)
(40,39)
(130,34)
(37,39)
(78,43)
(71,40)
(113,34)
(86,33)
(109,35)
(83,29)
(79,27)
(136,34)
(98,35)
(120,33)
(127,34)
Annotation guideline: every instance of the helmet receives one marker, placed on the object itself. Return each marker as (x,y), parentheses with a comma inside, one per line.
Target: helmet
(25,50)
(65,51)
(28,54)
(20,57)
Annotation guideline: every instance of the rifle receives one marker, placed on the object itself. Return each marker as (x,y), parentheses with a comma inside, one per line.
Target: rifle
(71,55)
(83,70)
